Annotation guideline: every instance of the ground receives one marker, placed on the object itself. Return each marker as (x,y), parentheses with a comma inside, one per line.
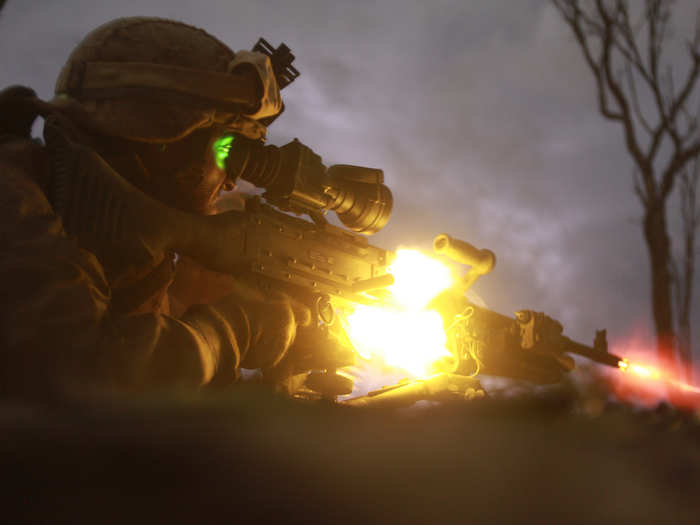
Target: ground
(249,456)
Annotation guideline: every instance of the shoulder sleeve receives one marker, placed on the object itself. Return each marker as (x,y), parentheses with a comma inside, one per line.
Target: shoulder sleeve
(56,328)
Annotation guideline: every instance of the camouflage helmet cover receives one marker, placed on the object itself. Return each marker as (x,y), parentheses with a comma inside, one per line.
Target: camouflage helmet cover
(158,80)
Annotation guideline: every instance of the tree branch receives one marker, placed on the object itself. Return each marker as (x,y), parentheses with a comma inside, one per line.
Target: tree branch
(618,94)
(677,163)
(629,74)
(574,17)
(688,86)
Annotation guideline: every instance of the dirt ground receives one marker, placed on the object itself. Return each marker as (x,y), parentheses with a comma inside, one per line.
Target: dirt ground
(248,456)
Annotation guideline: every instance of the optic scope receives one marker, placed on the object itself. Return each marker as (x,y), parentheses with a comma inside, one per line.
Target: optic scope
(296,180)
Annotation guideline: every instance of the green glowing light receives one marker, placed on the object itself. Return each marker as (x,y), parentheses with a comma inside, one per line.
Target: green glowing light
(221,149)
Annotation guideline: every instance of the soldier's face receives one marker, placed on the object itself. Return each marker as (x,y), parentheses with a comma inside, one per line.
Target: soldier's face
(190,174)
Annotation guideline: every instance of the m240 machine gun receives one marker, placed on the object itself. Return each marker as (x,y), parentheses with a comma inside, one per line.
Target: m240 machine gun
(317,263)
(323,265)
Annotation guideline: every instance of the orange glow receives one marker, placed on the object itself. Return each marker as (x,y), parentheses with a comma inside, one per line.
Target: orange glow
(655,374)
(646,372)
(648,384)
(405,336)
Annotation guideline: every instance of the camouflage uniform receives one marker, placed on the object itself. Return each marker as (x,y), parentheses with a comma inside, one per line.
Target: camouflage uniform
(73,317)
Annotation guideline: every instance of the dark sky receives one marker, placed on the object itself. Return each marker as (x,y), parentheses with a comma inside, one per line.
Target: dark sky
(481,114)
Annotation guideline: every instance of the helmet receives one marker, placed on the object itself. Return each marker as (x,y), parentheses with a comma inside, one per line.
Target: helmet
(156,80)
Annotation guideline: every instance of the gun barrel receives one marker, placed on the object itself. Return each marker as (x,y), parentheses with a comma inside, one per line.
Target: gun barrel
(602,357)
(481,261)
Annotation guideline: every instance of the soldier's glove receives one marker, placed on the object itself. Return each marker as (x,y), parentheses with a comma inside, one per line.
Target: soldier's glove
(262,323)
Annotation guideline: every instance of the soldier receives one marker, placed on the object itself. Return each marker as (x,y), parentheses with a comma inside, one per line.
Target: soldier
(147,99)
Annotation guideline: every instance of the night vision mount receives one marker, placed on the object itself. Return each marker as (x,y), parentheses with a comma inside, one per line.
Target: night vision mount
(285,73)
(281,59)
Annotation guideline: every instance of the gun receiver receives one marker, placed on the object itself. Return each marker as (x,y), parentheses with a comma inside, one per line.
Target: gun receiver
(321,259)
(313,262)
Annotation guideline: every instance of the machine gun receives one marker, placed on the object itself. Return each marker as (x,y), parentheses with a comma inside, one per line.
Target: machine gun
(323,265)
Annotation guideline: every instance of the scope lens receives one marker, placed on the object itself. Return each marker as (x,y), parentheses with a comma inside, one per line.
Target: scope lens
(371,212)
(362,207)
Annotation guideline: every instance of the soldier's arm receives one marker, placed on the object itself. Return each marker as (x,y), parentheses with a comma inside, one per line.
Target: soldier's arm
(57,329)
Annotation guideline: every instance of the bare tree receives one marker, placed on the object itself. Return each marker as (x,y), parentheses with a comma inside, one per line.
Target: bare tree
(637,90)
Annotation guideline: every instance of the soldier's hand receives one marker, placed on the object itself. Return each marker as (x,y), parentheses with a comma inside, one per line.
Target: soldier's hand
(272,319)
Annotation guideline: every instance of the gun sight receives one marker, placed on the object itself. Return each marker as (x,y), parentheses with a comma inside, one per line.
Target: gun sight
(296,180)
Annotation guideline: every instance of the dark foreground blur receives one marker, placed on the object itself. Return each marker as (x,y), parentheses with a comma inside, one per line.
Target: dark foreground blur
(249,457)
